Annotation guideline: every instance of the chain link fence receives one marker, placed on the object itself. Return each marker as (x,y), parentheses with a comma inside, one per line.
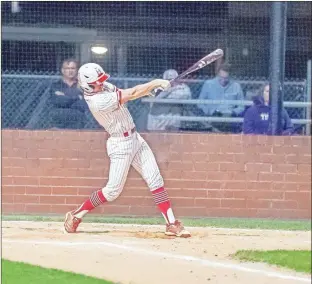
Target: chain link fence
(143,40)
(24,101)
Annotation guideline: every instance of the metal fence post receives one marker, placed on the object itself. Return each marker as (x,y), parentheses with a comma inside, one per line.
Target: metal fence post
(277,64)
(308,97)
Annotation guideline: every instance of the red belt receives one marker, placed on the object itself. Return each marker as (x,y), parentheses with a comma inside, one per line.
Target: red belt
(126,134)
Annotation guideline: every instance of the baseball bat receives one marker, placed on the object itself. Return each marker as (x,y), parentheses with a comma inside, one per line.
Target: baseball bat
(211,57)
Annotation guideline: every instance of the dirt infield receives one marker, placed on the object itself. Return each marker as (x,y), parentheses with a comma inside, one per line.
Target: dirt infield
(135,254)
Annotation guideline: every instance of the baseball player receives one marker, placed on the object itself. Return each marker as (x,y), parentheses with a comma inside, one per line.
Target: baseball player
(125,146)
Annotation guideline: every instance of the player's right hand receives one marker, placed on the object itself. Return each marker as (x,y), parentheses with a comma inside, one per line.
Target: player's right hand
(165,84)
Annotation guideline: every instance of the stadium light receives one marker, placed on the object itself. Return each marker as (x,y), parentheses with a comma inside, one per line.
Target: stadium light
(99,49)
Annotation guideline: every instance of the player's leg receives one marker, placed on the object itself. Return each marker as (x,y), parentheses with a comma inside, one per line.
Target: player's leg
(145,163)
(119,167)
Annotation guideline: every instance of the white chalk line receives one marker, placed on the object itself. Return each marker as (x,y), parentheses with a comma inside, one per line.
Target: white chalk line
(255,230)
(201,261)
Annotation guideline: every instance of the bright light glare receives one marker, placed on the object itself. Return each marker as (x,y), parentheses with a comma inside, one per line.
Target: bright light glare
(99,49)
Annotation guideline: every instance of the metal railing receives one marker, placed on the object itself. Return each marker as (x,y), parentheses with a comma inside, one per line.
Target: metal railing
(221,119)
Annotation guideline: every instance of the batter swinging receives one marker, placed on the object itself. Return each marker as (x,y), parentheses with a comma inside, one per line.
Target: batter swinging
(125,146)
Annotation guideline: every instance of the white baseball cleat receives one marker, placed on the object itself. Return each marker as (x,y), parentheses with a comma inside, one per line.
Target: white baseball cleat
(177,230)
(71,223)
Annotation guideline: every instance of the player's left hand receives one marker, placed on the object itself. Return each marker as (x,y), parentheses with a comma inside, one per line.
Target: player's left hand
(156,92)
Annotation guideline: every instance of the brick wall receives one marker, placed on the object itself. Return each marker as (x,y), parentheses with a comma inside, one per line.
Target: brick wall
(206,175)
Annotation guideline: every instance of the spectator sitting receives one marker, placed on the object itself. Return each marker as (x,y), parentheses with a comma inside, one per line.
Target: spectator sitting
(176,91)
(257,117)
(66,105)
(222,87)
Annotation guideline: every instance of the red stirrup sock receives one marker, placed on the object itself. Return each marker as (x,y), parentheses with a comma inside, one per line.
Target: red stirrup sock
(161,198)
(97,198)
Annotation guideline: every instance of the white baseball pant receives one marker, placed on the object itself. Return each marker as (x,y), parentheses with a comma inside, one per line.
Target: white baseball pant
(124,152)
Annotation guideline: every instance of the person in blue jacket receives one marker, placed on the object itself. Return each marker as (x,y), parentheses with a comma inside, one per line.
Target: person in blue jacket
(257,117)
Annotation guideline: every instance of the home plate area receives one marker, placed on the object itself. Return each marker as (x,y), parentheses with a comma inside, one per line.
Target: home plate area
(142,254)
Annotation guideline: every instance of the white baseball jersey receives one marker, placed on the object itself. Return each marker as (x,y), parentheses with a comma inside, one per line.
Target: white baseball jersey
(122,150)
(107,110)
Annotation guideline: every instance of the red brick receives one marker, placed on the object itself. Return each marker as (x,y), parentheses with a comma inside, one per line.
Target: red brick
(247,176)
(196,157)
(135,210)
(267,194)
(172,174)
(47,199)
(190,211)
(181,166)
(298,177)
(284,186)
(51,163)
(13,190)
(190,184)
(217,176)
(300,140)
(259,167)
(271,158)
(10,171)
(64,191)
(74,200)
(86,191)
(285,150)
(62,208)
(234,185)
(137,183)
(302,196)
(259,185)
(220,194)
(7,198)
(76,163)
(207,166)
(221,158)
(233,203)
(26,198)
(188,193)
(196,175)
(244,158)
(129,200)
(232,167)
(259,203)
(13,208)
(46,190)
(207,202)
(304,168)
(38,208)
(181,201)
(285,204)
(214,184)
(14,152)
(253,149)
(220,212)
(271,177)
(98,164)
(25,180)
(304,186)
(284,168)
(298,159)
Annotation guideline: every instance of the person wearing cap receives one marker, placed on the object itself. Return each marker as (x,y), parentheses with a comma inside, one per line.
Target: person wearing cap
(161,116)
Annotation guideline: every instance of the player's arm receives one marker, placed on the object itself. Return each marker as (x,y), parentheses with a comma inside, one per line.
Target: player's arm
(142,90)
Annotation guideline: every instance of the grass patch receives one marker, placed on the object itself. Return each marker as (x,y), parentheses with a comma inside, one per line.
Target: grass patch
(21,273)
(270,224)
(298,260)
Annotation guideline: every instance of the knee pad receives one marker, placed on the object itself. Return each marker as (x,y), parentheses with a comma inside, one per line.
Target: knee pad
(111,193)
